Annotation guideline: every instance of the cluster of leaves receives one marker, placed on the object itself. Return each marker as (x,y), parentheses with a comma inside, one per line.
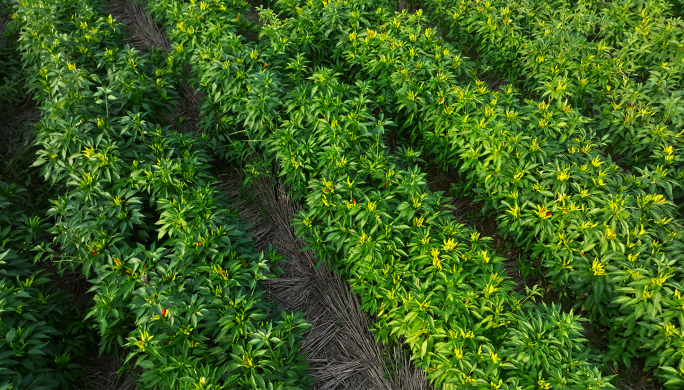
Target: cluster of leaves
(608,240)
(618,62)
(426,278)
(175,274)
(40,340)
(11,91)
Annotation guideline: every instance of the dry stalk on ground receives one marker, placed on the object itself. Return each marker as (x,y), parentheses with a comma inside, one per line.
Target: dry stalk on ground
(342,352)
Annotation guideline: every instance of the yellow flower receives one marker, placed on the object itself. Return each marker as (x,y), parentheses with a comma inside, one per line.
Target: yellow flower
(598,268)
(449,244)
(89,152)
(544,384)
(87,179)
(328,185)
(144,341)
(489,289)
(435,258)
(596,162)
(495,358)
(670,330)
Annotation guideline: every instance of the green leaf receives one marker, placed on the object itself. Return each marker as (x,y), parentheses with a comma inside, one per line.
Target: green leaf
(674,381)
(36,351)
(146,364)
(640,310)
(10,336)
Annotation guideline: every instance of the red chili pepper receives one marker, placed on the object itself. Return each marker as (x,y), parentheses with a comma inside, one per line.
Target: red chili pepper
(583,254)
(354,201)
(94,253)
(163,312)
(265,65)
(548,214)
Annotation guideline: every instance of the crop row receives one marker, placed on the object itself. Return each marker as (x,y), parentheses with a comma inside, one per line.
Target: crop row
(42,337)
(176,276)
(619,63)
(608,240)
(10,69)
(427,279)
(40,343)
